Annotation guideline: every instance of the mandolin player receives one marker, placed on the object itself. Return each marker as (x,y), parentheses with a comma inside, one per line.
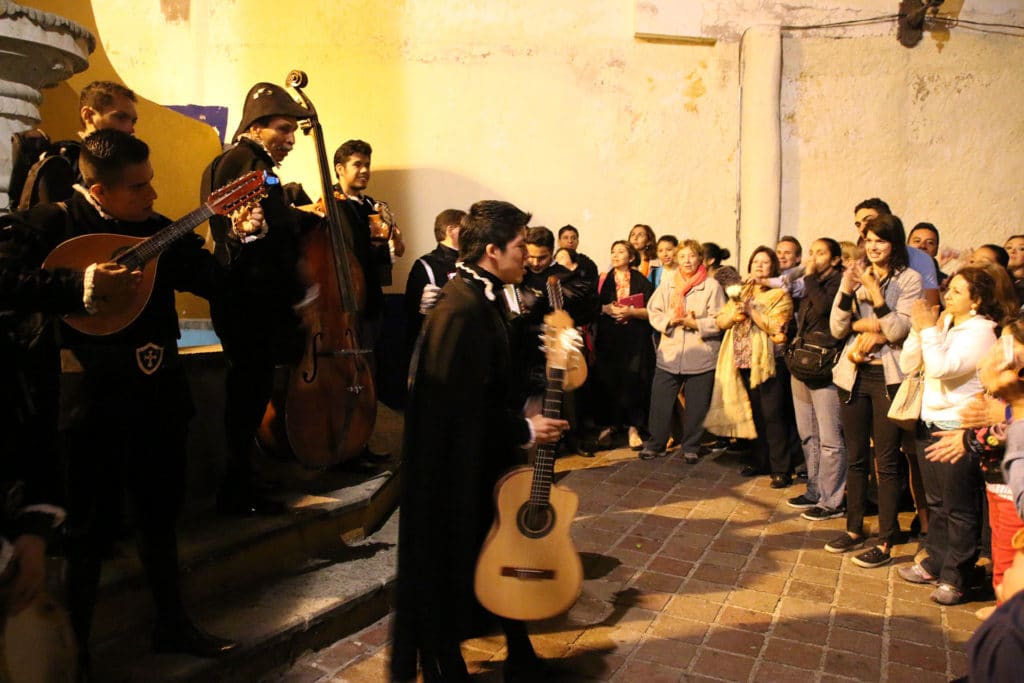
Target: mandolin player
(129,409)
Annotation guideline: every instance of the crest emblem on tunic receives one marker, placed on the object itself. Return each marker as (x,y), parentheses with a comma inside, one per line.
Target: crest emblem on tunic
(149,358)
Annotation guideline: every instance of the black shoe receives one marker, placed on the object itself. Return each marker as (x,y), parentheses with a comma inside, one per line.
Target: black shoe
(651,455)
(873,557)
(185,637)
(231,501)
(820,514)
(801,502)
(844,542)
(781,480)
(751,471)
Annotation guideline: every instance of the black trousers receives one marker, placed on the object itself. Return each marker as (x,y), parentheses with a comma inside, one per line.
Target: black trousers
(135,454)
(954,492)
(864,415)
(772,406)
(256,337)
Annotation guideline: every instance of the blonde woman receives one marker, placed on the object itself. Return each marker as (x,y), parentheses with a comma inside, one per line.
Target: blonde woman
(683,310)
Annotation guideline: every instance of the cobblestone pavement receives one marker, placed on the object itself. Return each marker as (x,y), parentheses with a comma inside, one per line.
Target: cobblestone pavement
(695,573)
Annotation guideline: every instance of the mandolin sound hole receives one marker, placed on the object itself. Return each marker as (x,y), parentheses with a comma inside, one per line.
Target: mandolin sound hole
(535,520)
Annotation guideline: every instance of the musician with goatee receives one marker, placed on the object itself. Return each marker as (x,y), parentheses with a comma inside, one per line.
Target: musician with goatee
(130,408)
(255,316)
(462,431)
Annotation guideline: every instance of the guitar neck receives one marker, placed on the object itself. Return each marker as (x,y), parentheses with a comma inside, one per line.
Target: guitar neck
(145,251)
(544,461)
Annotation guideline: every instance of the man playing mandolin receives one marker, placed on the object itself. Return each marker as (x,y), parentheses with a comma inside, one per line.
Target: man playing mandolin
(462,431)
(130,408)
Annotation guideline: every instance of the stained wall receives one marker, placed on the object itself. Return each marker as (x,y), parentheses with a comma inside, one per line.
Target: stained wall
(562,110)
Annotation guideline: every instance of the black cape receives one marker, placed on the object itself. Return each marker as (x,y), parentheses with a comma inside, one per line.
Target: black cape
(461,433)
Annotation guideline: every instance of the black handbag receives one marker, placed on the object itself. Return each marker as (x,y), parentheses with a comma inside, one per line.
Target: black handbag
(811,357)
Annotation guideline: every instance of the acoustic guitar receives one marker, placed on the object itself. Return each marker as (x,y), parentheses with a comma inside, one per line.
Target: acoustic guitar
(140,253)
(528,567)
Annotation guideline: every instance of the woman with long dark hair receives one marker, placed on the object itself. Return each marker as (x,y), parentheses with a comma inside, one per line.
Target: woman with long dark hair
(872,312)
(641,237)
(815,400)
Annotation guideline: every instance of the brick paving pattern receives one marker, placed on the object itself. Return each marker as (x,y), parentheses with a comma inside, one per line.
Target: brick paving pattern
(695,573)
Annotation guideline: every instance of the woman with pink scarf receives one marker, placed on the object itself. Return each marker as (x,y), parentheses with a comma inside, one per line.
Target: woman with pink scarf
(683,310)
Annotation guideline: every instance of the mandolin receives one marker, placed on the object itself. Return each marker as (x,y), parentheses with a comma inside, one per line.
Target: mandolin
(141,253)
(528,567)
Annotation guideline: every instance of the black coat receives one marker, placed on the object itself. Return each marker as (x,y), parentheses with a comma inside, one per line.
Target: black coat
(184,266)
(461,434)
(437,266)
(579,298)
(624,358)
(112,384)
(374,258)
(263,282)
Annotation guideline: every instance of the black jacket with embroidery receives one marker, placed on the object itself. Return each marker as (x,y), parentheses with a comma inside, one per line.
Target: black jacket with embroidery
(24,286)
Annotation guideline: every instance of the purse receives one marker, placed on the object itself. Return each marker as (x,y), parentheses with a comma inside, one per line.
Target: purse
(905,409)
(809,362)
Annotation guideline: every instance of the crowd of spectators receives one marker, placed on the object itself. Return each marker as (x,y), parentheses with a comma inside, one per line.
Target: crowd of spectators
(796,366)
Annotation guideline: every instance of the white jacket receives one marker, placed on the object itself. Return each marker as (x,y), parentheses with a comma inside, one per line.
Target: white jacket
(951,356)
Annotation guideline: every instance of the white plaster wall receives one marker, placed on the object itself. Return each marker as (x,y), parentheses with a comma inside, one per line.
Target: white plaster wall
(937,131)
(560,109)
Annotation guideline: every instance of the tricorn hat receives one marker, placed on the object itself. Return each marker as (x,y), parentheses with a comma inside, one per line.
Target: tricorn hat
(267,99)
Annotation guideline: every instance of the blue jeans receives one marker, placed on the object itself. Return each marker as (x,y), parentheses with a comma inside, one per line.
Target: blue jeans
(821,434)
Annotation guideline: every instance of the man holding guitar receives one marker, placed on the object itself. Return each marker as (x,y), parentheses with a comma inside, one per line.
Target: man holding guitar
(131,405)
(462,432)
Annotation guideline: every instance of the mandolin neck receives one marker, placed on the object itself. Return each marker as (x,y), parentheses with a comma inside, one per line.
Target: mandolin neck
(148,249)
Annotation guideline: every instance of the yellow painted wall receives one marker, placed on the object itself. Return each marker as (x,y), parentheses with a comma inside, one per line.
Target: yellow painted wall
(558,108)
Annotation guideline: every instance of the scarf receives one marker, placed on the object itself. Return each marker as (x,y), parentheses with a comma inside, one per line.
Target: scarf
(682,286)
(622,282)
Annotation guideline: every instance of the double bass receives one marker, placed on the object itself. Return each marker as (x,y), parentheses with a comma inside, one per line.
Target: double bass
(327,412)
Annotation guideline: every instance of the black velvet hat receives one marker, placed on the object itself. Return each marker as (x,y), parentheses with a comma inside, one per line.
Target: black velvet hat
(267,99)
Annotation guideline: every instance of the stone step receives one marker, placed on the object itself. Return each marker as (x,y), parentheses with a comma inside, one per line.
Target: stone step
(231,555)
(321,600)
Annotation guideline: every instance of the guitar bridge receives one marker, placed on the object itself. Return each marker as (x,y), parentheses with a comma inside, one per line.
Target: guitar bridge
(528,574)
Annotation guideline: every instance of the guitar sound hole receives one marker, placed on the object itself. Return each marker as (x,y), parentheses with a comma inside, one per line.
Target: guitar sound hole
(535,520)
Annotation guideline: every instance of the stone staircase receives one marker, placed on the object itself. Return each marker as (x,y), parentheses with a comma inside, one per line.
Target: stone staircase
(280,585)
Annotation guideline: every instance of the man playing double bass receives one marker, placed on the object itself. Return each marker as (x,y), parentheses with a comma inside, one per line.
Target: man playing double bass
(462,431)
(255,316)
